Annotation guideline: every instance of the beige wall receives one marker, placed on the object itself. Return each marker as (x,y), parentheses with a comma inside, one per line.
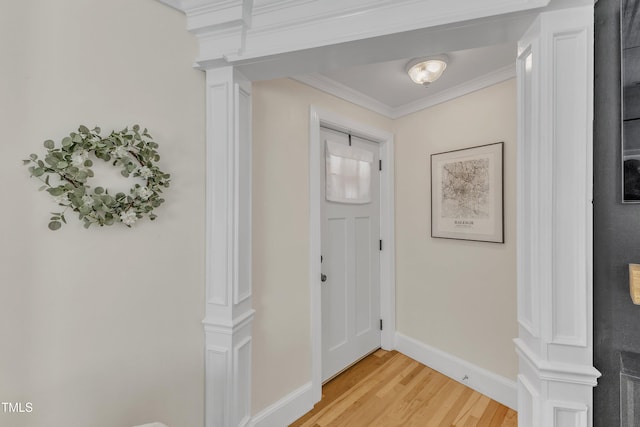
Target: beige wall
(281,331)
(454,295)
(457,296)
(100,327)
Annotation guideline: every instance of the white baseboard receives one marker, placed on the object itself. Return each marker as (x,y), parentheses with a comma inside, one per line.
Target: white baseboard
(286,410)
(300,401)
(492,385)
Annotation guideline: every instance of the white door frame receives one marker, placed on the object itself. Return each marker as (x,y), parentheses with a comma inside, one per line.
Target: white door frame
(319,117)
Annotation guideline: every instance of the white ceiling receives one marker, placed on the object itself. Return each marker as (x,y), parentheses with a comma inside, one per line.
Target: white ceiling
(389,90)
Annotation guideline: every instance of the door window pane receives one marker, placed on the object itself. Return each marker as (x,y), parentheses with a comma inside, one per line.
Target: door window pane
(348,177)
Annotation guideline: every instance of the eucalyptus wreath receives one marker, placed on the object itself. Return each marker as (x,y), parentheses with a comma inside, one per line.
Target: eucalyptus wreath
(66,169)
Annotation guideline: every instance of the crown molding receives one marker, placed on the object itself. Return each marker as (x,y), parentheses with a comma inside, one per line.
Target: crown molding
(299,27)
(281,26)
(261,8)
(332,87)
(490,79)
(339,90)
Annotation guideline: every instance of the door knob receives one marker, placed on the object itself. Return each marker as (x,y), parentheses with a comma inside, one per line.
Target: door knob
(323,277)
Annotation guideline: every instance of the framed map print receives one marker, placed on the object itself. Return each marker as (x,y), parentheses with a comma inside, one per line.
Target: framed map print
(467,194)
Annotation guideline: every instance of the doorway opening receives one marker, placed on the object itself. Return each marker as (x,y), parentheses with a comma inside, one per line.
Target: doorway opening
(564,320)
(320,119)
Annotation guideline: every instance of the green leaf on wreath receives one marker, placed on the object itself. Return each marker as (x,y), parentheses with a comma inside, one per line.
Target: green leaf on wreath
(55,225)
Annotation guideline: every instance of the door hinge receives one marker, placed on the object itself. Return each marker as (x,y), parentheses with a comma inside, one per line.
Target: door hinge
(379,165)
(380,324)
(380,244)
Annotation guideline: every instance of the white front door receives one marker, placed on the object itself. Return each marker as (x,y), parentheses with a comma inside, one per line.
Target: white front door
(350,257)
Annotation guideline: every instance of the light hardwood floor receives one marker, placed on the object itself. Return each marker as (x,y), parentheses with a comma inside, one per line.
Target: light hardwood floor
(388,389)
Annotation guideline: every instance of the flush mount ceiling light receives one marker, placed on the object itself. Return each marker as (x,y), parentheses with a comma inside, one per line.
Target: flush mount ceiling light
(427,70)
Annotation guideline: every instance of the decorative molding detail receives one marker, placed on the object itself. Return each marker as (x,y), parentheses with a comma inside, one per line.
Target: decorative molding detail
(294,25)
(286,410)
(217,360)
(528,401)
(555,309)
(571,131)
(228,313)
(483,381)
(260,8)
(567,414)
(335,88)
(243,201)
(332,87)
(242,379)
(528,188)
(557,371)
(216,269)
(290,29)
(222,326)
(388,235)
(490,79)
(214,15)
(287,26)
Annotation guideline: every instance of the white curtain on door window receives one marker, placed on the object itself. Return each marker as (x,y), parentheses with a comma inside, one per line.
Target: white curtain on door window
(348,177)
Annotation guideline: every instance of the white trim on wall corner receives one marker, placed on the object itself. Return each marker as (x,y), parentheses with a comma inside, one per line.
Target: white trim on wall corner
(286,410)
(332,87)
(496,387)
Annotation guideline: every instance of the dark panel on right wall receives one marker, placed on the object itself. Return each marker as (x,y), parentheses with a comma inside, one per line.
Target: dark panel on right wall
(616,225)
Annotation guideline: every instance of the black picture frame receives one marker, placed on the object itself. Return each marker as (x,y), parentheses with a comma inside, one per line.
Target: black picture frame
(467,194)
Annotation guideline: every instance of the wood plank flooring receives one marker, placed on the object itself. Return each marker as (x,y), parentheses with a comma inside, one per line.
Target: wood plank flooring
(388,389)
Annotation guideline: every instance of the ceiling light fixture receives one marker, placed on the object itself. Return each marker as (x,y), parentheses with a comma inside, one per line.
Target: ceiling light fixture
(427,70)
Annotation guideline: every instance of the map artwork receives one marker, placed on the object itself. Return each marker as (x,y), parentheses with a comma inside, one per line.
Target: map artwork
(465,189)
